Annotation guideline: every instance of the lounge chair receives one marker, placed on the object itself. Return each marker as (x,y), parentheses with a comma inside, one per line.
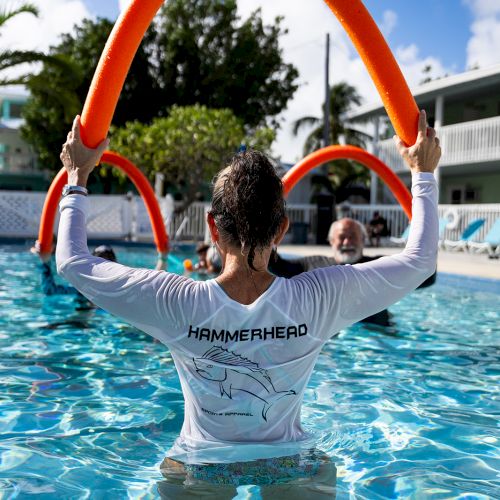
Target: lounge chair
(491,242)
(468,235)
(402,239)
(404,235)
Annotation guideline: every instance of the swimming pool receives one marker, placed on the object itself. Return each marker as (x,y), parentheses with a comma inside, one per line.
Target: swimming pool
(89,405)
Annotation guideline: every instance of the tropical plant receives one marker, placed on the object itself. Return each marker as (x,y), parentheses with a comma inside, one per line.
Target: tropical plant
(11,58)
(213,58)
(189,146)
(57,94)
(341,173)
(342,98)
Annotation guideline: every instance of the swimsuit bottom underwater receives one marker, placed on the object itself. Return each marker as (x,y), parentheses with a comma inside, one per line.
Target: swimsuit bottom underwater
(264,471)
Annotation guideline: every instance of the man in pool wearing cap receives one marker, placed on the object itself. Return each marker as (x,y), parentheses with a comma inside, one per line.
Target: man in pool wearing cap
(346,237)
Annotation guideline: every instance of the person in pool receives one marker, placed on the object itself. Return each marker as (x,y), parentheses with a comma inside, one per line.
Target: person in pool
(346,237)
(245,343)
(49,285)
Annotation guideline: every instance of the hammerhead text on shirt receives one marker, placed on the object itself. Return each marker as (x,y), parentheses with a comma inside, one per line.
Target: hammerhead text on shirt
(247,334)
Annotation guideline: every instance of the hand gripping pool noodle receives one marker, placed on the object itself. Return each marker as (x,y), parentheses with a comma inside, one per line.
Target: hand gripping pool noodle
(381,64)
(101,101)
(330,153)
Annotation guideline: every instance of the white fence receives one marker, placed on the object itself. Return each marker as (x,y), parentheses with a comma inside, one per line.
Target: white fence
(122,218)
(468,142)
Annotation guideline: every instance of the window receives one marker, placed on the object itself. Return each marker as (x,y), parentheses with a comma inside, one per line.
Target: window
(463,194)
(15,109)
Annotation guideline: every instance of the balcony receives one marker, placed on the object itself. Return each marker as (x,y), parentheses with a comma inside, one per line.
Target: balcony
(463,143)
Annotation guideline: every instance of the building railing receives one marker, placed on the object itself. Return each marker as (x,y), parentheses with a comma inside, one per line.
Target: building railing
(16,163)
(125,218)
(469,142)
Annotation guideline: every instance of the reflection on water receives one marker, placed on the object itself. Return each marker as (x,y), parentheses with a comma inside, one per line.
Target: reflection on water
(89,405)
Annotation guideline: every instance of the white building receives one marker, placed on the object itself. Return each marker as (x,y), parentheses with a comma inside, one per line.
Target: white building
(465,110)
(18,165)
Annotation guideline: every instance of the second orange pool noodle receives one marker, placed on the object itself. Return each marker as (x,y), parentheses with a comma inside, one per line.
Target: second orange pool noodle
(381,64)
(46,230)
(146,191)
(330,153)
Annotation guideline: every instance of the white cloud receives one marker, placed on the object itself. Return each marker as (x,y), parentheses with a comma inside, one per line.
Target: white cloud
(304,47)
(483,48)
(389,22)
(123,4)
(412,65)
(27,32)
(484,8)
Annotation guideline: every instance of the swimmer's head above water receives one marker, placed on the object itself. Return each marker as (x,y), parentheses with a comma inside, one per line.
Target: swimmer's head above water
(248,208)
(346,237)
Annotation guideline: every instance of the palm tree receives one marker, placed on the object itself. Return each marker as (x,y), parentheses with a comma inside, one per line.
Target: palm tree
(11,58)
(342,98)
(341,173)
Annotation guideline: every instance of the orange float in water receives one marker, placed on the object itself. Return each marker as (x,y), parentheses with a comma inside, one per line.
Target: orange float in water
(188,265)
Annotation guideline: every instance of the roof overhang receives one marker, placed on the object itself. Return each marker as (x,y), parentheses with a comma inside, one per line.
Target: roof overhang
(450,86)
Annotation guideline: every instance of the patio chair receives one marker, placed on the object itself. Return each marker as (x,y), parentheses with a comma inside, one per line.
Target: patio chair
(468,235)
(402,239)
(491,242)
(404,235)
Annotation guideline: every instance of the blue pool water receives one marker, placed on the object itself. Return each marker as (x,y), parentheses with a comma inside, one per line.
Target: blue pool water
(89,405)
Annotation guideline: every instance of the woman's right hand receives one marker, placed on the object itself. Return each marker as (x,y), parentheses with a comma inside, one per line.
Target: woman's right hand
(424,155)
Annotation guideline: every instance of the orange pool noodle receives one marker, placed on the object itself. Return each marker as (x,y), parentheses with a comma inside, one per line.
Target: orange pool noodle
(113,67)
(330,153)
(148,195)
(381,64)
(45,234)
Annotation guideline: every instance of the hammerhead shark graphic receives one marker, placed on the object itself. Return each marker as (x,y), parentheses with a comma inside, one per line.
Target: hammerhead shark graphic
(236,373)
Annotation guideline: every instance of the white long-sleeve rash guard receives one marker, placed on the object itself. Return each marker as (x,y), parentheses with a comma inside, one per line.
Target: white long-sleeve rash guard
(244,368)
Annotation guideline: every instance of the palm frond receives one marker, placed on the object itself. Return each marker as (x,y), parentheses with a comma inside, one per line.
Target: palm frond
(9,13)
(313,141)
(302,122)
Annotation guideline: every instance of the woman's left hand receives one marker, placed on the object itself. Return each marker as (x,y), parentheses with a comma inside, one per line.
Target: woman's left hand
(78,159)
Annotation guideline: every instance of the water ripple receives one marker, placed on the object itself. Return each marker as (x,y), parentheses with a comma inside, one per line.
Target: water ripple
(89,405)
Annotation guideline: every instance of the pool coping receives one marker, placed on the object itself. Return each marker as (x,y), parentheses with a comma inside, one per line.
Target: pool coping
(456,279)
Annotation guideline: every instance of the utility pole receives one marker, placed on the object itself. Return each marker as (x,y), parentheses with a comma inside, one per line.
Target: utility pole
(326,111)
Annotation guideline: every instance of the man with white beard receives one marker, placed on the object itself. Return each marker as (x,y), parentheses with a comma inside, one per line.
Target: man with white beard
(347,238)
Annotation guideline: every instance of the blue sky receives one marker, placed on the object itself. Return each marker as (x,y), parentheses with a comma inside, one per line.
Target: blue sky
(440,27)
(449,35)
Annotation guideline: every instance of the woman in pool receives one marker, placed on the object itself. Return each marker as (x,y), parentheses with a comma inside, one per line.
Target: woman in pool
(245,343)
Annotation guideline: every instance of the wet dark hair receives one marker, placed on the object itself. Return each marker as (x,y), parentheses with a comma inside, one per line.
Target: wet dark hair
(248,205)
(105,252)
